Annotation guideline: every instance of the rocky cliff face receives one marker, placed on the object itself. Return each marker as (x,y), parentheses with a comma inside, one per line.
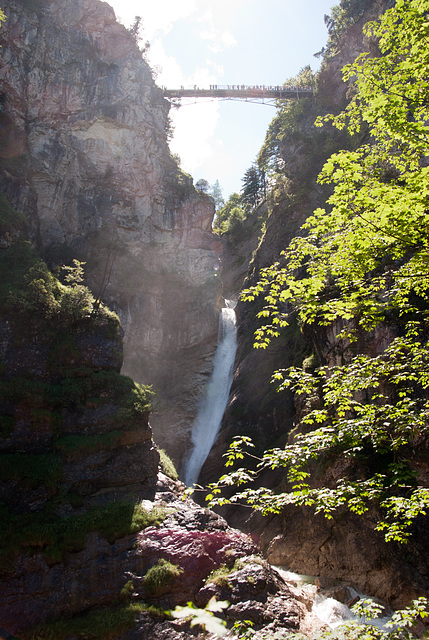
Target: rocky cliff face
(344,548)
(84,154)
(111,579)
(254,405)
(94,539)
(92,534)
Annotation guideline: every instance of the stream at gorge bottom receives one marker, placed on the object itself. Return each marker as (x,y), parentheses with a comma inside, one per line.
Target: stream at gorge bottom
(332,604)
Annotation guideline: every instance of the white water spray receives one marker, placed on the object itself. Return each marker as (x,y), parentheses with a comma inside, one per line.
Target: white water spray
(331,611)
(212,407)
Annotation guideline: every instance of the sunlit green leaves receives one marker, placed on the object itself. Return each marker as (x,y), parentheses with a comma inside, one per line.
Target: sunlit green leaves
(400,626)
(361,269)
(204,618)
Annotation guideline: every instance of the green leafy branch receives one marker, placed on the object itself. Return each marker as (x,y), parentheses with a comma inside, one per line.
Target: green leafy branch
(204,618)
(400,626)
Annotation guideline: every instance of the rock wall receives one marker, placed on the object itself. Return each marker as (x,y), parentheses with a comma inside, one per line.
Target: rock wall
(196,542)
(346,547)
(84,153)
(70,424)
(255,408)
(90,528)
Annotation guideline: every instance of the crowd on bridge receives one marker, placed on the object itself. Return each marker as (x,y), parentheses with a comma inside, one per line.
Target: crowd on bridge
(245,88)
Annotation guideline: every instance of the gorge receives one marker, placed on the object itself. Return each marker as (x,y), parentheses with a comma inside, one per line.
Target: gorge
(110,297)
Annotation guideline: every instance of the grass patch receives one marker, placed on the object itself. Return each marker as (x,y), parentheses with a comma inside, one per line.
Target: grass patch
(167,465)
(127,591)
(242,563)
(220,576)
(159,577)
(55,536)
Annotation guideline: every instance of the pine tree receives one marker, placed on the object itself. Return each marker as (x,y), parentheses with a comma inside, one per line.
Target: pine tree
(216,192)
(252,191)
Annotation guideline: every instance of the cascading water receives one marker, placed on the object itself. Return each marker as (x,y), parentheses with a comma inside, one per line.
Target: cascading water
(331,611)
(212,406)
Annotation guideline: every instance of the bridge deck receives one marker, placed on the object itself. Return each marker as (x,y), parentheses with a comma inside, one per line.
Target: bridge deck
(239,91)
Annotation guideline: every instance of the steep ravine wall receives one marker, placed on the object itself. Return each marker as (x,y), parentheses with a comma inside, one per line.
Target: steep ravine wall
(254,405)
(346,547)
(84,153)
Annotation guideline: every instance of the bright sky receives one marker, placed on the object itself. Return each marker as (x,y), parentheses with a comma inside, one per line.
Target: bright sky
(204,42)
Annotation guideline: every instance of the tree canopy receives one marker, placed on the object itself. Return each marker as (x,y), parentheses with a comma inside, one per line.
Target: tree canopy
(285,125)
(253,189)
(202,185)
(342,16)
(230,214)
(361,269)
(216,192)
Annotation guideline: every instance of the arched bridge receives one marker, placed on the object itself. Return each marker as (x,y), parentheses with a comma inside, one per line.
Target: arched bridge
(240,91)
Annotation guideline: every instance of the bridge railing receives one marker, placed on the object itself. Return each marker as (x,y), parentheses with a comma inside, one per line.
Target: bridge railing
(238,91)
(242,87)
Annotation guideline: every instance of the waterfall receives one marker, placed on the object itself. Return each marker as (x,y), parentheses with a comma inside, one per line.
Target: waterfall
(212,407)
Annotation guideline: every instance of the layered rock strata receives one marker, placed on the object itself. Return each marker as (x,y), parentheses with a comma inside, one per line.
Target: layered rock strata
(84,154)
(70,425)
